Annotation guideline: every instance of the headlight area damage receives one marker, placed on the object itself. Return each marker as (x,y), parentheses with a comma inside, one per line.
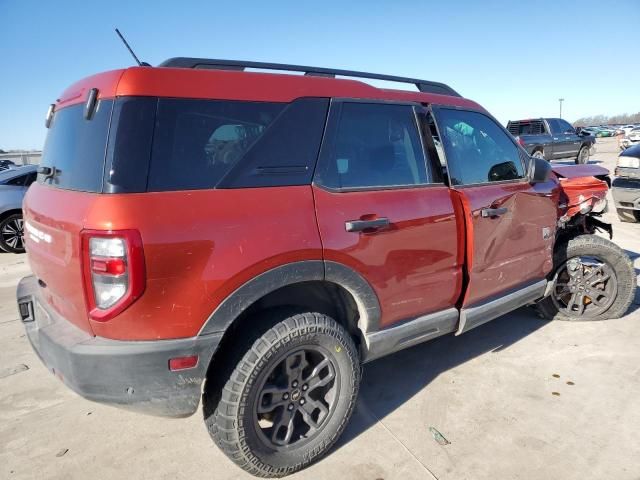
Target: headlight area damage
(583,198)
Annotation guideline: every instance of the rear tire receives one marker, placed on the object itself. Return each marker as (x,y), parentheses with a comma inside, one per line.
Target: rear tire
(583,156)
(12,234)
(600,285)
(289,397)
(629,216)
(538,154)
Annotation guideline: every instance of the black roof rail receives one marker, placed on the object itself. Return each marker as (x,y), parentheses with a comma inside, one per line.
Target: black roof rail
(188,62)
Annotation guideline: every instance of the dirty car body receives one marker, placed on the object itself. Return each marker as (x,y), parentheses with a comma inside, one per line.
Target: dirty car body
(182,213)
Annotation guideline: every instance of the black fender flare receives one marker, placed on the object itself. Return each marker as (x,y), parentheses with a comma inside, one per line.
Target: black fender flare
(304,271)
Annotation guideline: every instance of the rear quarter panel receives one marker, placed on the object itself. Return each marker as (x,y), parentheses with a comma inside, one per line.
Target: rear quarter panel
(201,245)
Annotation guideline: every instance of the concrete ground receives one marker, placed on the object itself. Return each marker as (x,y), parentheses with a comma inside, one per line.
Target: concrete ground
(518,398)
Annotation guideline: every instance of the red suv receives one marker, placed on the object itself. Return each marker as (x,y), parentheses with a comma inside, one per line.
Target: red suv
(196,227)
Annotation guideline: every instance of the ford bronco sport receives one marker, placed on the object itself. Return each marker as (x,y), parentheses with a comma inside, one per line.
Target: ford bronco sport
(249,238)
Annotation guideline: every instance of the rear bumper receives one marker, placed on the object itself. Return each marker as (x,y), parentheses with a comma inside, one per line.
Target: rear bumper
(129,374)
(626,193)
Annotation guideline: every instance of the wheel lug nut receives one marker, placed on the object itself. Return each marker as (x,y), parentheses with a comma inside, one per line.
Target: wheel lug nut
(294,384)
(285,396)
(304,387)
(302,401)
(290,407)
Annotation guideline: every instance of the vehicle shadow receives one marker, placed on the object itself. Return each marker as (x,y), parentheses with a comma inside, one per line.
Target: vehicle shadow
(636,302)
(391,381)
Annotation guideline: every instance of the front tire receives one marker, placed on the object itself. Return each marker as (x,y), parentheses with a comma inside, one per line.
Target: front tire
(289,397)
(594,280)
(12,234)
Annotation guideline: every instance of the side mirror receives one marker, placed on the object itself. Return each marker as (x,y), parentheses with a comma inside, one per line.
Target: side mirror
(539,170)
(578,130)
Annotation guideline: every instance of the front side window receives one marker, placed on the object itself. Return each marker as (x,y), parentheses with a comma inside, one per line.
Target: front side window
(565,126)
(373,145)
(477,149)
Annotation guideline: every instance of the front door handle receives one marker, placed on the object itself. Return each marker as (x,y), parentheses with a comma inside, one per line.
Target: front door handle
(360,225)
(493,212)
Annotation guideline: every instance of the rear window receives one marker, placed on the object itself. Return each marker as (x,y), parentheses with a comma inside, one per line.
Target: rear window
(76,148)
(535,127)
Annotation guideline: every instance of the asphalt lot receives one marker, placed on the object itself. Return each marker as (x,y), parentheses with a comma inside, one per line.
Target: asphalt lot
(517,398)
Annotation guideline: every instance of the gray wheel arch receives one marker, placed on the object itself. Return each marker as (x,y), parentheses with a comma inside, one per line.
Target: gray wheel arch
(289,274)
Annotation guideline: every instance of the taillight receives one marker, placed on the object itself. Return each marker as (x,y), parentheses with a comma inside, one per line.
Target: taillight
(520,140)
(114,271)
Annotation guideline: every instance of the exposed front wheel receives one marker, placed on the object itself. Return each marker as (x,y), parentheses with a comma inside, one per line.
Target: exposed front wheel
(594,280)
(289,397)
(583,155)
(12,234)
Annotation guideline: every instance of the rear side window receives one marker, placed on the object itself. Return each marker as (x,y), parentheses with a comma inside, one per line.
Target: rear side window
(76,147)
(197,142)
(533,127)
(477,149)
(373,145)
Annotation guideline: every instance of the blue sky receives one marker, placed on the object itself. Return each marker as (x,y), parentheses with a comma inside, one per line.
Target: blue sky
(515,58)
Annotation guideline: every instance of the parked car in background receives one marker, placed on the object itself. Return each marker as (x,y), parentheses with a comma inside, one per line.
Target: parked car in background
(600,132)
(626,185)
(6,164)
(552,138)
(13,185)
(632,138)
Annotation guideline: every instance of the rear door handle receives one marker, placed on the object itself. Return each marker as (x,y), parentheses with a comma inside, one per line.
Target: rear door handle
(360,225)
(493,212)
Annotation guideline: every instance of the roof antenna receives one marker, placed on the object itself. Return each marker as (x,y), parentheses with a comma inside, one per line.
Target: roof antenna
(140,64)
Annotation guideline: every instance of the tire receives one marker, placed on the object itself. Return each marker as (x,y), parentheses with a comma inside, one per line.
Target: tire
(538,154)
(612,297)
(629,216)
(11,234)
(231,415)
(583,155)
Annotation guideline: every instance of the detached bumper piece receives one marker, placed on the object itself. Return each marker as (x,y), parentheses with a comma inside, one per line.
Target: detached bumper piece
(131,374)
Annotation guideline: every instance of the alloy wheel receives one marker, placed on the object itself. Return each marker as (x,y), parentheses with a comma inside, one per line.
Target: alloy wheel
(13,232)
(296,398)
(585,286)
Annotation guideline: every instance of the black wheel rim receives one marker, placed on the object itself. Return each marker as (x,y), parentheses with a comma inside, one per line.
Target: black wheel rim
(296,398)
(12,233)
(585,287)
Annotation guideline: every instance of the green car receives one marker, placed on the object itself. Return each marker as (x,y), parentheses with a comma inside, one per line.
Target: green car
(600,132)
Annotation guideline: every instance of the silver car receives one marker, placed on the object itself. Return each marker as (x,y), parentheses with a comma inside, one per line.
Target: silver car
(13,185)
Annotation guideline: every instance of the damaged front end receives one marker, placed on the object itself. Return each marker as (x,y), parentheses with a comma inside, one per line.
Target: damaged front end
(583,199)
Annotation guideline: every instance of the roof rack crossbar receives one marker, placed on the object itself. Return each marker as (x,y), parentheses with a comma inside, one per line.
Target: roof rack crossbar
(188,62)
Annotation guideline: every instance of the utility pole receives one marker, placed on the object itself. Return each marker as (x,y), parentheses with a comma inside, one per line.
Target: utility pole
(561,100)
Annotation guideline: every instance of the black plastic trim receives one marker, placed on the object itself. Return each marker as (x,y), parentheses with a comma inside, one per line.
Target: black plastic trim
(131,374)
(256,288)
(408,334)
(364,295)
(471,317)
